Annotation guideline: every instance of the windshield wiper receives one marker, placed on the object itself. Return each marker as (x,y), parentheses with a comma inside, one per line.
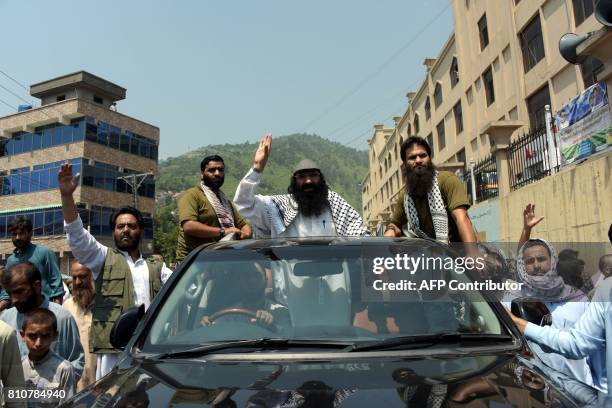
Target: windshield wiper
(273,343)
(432,339)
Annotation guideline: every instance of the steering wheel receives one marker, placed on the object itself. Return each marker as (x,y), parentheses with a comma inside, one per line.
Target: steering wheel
(244,312)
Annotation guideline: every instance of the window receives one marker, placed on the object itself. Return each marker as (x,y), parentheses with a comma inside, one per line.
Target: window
(454,72)
(438,94)
(535,108)
(532,44)
(458,113)
(430,142)
(590,68)
(460,156)
(427,109)
(483,32)
(487,79)
(60,98)
(98,99)
(441,135)
(582,10)
(416,124)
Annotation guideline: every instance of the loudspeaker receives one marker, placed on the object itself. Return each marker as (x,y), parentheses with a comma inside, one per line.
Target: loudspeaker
(567,47)
(603,12)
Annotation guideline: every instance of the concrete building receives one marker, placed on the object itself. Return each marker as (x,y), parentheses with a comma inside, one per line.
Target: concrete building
(77,122)
(494,75)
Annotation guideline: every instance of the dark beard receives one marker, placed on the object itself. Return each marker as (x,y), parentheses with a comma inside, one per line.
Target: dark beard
(20,243)
(312,202)
(84,297)
(213,184)
(418,185)
(27,306)
(133,244)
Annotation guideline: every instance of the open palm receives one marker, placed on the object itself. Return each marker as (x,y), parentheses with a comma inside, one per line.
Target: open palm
(66,182)
(529,218)
(262,153)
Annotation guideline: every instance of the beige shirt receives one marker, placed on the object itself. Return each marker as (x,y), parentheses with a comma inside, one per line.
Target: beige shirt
(11,372)
(83,321)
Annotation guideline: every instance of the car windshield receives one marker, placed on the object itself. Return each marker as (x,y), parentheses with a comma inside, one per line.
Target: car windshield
(331,290)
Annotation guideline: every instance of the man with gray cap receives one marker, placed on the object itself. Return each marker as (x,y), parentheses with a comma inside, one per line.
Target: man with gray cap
(310,208)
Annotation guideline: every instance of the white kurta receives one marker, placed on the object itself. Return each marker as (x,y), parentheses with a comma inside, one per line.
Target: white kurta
(311,226)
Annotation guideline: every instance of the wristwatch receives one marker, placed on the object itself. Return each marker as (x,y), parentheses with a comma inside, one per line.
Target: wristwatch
(221,232)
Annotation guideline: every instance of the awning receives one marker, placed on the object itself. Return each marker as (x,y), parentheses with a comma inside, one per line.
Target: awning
(29,209)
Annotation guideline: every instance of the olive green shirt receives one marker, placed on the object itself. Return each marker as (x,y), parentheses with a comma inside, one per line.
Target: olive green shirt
(194,206)
(453,195)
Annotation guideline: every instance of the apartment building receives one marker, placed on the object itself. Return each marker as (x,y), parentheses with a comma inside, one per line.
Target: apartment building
(76,122)
(499,68)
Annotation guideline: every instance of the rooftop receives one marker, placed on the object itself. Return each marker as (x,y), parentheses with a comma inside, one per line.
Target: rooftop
(80,79)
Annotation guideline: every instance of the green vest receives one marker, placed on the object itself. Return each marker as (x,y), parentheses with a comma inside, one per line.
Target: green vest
(114,295)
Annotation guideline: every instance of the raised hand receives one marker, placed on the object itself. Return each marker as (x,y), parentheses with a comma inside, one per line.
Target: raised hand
(66,182)
(262,153)
(529,218)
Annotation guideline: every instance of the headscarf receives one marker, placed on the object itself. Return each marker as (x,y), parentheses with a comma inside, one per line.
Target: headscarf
(549,286)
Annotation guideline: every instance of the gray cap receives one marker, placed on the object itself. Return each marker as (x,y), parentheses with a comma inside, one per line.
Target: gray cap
(306,164)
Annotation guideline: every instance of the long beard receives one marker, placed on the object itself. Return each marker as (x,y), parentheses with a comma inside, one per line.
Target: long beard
(418,185)
(84,297)
(312,202)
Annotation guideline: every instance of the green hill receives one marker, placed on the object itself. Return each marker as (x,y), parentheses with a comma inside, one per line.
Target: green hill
(343,167)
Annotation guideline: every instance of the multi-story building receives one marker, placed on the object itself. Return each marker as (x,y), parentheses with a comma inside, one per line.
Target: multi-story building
(76,122)
(499,68)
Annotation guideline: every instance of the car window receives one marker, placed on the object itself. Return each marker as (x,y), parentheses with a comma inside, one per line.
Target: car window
(327,292)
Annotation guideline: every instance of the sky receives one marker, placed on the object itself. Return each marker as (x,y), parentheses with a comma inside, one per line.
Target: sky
(209,72)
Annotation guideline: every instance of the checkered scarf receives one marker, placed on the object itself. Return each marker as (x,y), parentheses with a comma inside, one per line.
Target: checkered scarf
(437,210)
(221,205)
(347,221)
(549,286)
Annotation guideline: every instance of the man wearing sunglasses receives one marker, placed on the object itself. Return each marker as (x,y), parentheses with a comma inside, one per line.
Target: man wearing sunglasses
(205,213)
(310,208)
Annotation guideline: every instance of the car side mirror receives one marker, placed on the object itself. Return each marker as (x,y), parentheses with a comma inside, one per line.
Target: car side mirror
(124,327)
(533,310)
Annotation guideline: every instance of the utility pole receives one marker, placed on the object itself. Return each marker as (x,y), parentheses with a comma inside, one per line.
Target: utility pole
(135,181)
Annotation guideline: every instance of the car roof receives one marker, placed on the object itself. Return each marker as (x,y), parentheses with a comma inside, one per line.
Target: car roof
(254,244)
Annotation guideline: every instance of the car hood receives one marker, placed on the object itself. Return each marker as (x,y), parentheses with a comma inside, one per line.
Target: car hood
(507,379)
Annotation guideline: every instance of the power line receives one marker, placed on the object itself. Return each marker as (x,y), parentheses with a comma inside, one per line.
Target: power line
(376,108)
(9,105)
(347,126)
(367,131)
(377,71)
(14,94)
(14,80)
(26,101)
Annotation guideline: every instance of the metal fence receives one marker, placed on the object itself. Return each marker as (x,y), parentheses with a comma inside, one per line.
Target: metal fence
(528,158)
(485,175)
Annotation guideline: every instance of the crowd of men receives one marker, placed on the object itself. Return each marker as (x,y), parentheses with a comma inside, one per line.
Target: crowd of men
(47,341)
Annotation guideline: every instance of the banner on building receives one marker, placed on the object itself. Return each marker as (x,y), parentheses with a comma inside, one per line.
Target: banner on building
(584,126)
